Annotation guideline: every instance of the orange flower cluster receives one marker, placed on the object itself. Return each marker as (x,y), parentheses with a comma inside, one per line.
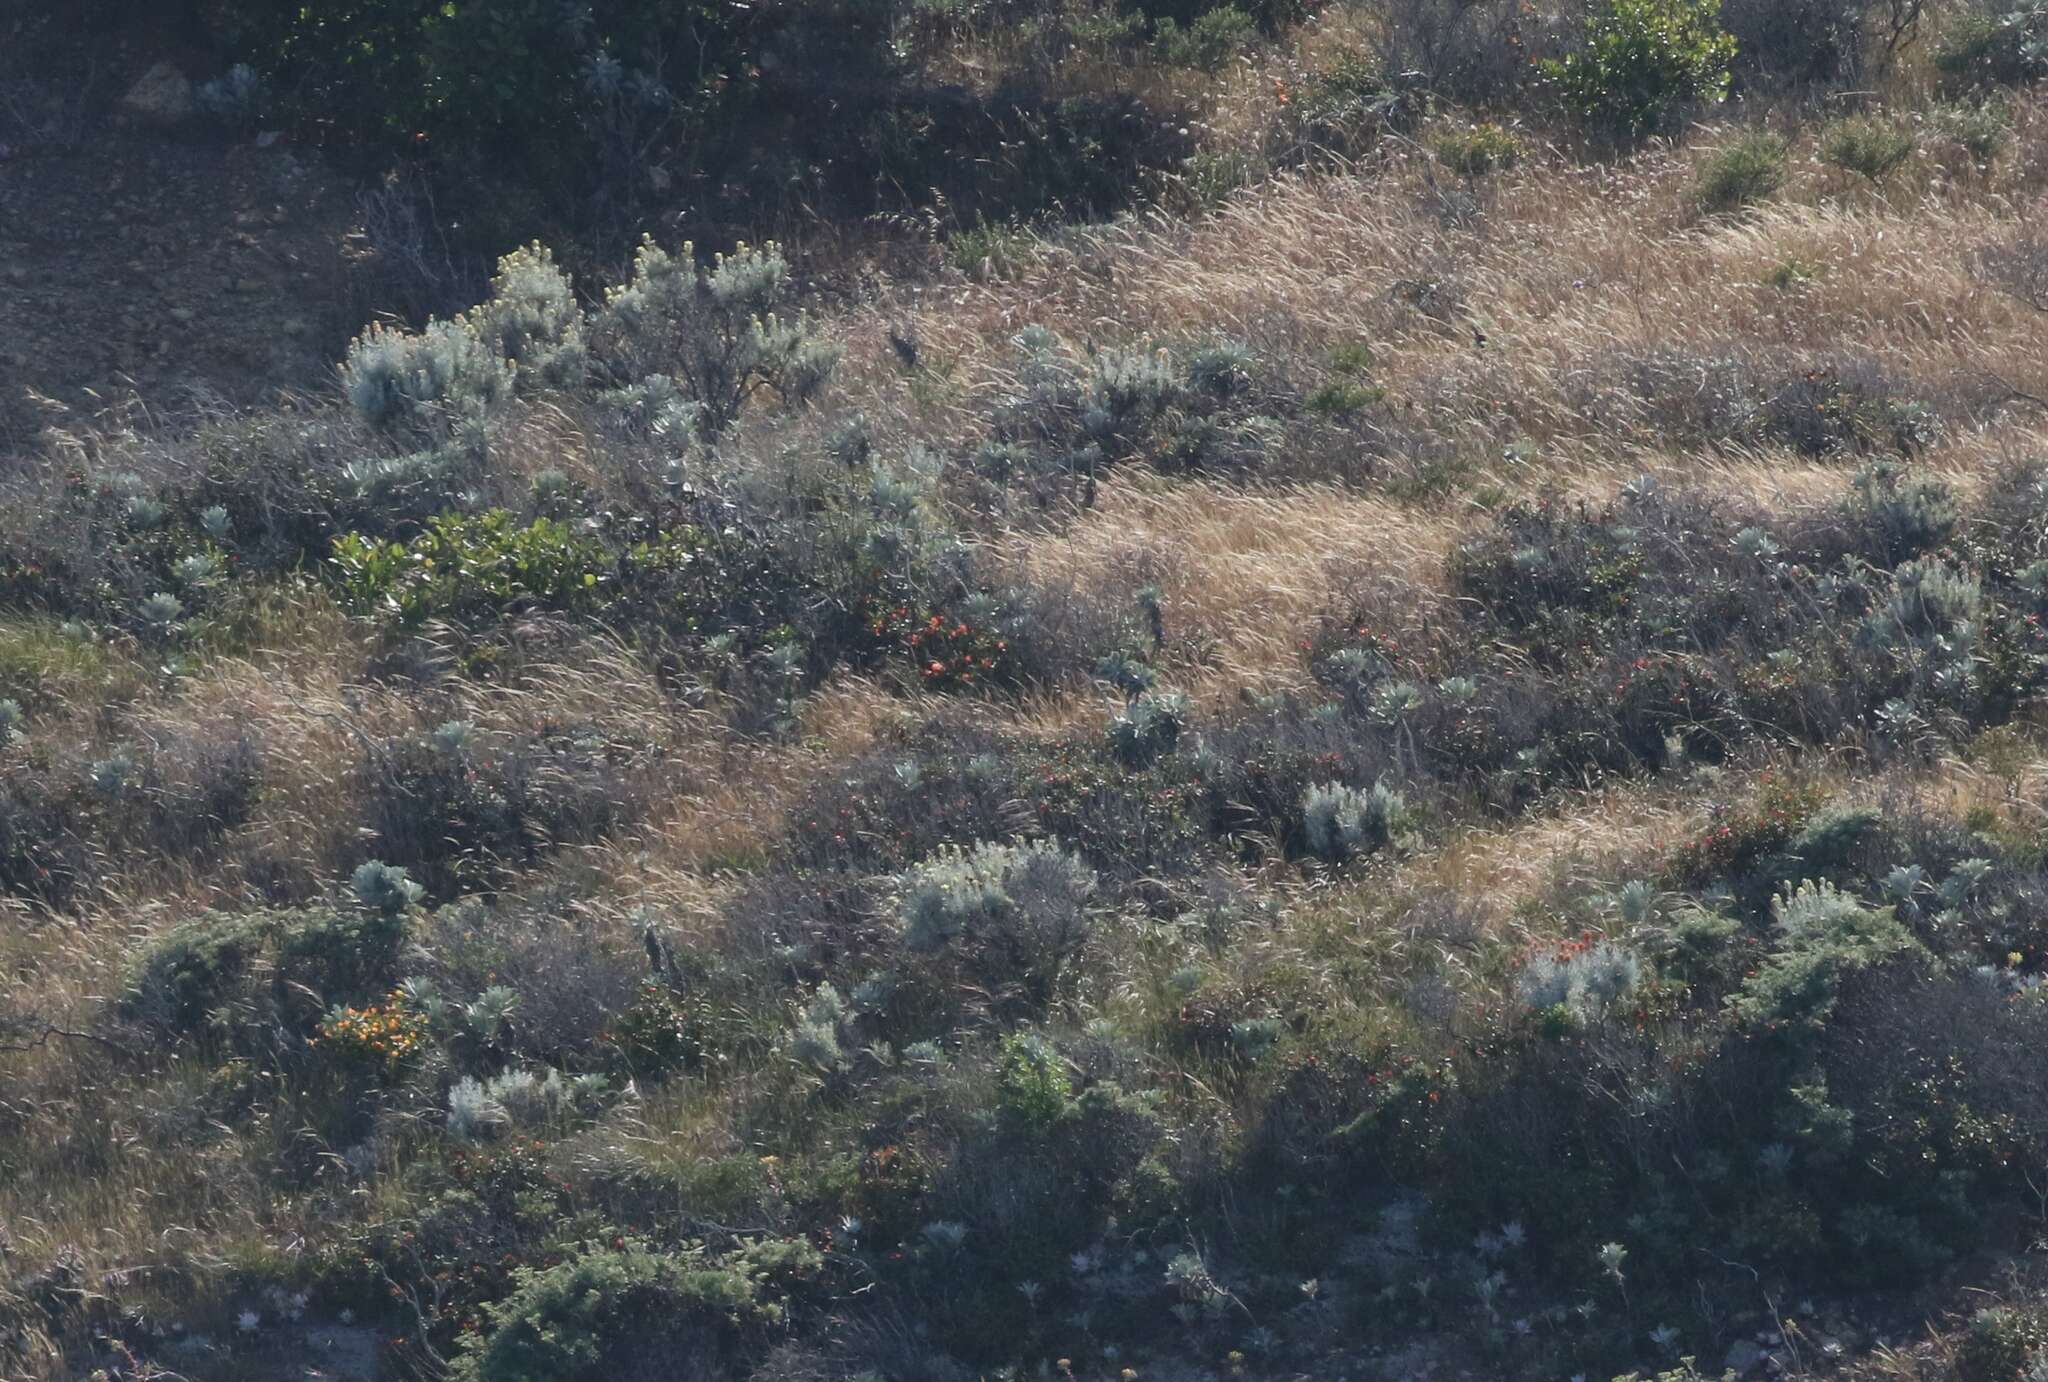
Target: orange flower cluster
(948,652)
(385,1035)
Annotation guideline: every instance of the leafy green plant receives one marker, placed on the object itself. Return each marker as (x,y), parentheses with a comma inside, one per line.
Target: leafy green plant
(1033,1090)
(1981,130)
(1641,61)
(466,566)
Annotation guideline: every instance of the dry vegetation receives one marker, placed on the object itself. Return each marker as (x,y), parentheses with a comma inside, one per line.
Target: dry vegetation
(1408,480)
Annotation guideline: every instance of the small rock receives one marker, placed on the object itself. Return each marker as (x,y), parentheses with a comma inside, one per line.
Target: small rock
(162,93)
(181,314)
(268,137)
(248,285)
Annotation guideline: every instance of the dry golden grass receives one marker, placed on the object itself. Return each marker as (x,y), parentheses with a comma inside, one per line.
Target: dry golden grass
(1245,572)
(1564,272)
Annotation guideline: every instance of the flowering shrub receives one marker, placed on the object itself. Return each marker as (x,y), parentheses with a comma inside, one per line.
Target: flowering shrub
(949,653)
(382,1038)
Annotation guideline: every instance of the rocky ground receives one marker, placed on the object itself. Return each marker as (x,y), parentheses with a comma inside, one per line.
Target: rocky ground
(144,254)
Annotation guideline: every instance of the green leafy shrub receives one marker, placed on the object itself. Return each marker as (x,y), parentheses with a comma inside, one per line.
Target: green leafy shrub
(1981,130)
(471,567)
(1867,145)
(1476,150)
(2000,1342)
(634,1310)
(1033,1089)
(309,961)
(1742,172)
(1823,934)
(1642,61)
(1208,42)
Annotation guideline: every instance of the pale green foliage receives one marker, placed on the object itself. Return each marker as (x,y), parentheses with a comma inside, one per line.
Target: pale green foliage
(1018,912)
(1339,822)
(1148,727)
(534,321)
(1931,598)
(397,378)
(815,1039)
(384,889)
(1586,983)
(479,1109)
(725,333)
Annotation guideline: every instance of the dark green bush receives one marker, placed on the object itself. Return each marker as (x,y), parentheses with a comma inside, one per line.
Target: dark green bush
(633,1310)
(1995,47)
(1207,42)
(458,807)
(1869,146)
(1642,61)
(244,968)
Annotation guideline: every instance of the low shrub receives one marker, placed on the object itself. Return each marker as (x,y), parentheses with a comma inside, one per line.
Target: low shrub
(1982,130)
(1477,150)
(1742,172)
(226,973)
(725,331)
(1015,915)
(1209,41)
(635,1310)
(456,813)
(428,381)
(1869,146)
(1339,822)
